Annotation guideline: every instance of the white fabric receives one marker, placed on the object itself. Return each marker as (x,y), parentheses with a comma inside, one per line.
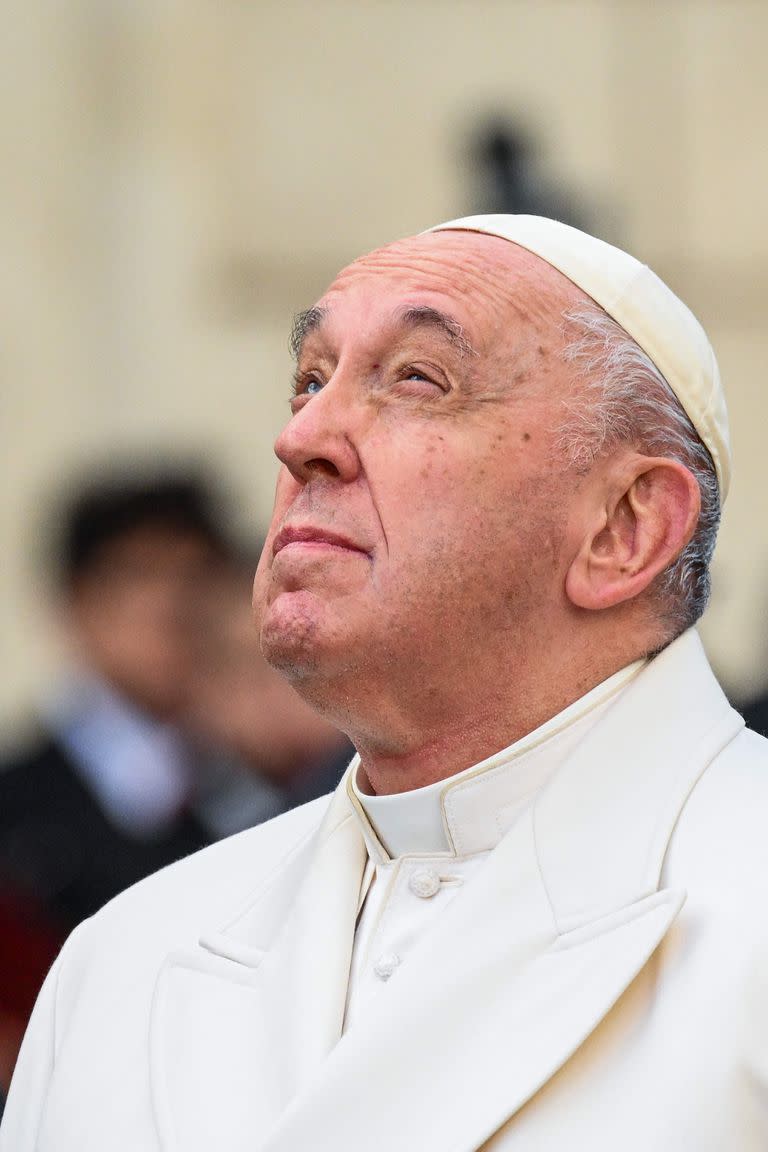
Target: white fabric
(471,810)
(395,920)
(421,830)
(599,984)
(644,306)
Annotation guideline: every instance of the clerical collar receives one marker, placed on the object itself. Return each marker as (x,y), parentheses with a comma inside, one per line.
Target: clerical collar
(471,811)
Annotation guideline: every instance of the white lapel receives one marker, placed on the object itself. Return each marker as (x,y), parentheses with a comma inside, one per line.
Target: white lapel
(531,957)
(445,1062)
(520,969)
(604,824)
(241,1022)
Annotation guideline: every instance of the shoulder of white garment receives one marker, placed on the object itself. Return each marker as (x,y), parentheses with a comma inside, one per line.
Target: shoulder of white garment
(211,888)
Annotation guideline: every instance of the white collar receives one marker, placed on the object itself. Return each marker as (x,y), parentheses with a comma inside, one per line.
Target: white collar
(471,811)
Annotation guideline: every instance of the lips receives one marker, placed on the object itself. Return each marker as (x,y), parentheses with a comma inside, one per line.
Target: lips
(310,535)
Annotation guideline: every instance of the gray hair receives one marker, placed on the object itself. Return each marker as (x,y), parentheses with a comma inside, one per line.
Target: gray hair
(627,400)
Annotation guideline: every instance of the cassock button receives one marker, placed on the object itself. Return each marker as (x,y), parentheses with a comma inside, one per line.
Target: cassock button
(386,964)
(424,883)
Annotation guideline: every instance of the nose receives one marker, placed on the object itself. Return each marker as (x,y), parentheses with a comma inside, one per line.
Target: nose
(317,442)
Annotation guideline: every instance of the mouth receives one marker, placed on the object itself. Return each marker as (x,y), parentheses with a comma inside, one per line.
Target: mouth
(310,537)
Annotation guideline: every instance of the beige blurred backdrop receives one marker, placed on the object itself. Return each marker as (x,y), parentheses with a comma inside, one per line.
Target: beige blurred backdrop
(180,178)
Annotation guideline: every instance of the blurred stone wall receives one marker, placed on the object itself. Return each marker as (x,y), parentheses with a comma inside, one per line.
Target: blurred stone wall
(179,178)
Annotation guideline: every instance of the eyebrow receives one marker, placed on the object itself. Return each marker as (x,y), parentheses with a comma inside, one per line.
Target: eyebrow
(304,323)
(422,316)
(415,317)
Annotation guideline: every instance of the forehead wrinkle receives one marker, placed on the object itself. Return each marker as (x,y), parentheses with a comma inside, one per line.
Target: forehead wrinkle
(422,271)
(487,272)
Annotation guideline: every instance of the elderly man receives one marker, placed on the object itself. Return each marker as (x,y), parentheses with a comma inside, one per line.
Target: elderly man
(532,915)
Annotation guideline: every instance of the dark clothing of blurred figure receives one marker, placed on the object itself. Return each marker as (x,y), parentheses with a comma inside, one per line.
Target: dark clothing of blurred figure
(102,794)
(58,844)
(756,714)
(249,798)
(99,797)
(28,947)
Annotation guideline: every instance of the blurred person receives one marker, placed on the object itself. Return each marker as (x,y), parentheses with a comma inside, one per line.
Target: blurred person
(504,158)
(755,712)
(281,753)
(533,914)
(99,796)
(28,947)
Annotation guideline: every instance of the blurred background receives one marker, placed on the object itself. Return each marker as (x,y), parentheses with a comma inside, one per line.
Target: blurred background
(178,180)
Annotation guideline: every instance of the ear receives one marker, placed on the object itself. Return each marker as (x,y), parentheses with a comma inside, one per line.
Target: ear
(641,525)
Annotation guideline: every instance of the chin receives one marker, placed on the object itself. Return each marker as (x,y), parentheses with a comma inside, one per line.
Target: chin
(291,635)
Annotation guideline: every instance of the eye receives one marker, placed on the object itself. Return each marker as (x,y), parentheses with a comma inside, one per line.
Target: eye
(429,376)
(304,385)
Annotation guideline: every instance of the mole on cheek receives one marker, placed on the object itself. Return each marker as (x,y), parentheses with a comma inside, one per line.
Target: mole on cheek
(526,435)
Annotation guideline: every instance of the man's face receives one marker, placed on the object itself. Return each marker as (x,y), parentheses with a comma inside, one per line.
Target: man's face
(135,612)
(420,515)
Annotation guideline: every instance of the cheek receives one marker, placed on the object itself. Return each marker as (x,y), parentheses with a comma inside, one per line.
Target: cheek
(453,485)
(427,494)
(460,512)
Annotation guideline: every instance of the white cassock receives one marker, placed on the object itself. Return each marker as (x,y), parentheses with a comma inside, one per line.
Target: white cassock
(564,947)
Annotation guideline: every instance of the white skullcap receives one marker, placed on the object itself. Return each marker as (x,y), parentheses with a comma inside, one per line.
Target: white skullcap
(642,304)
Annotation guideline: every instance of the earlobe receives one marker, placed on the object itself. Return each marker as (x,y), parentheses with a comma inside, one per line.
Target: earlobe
(645,522)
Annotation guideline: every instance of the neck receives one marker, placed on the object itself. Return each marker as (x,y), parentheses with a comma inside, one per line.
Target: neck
(455,738)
